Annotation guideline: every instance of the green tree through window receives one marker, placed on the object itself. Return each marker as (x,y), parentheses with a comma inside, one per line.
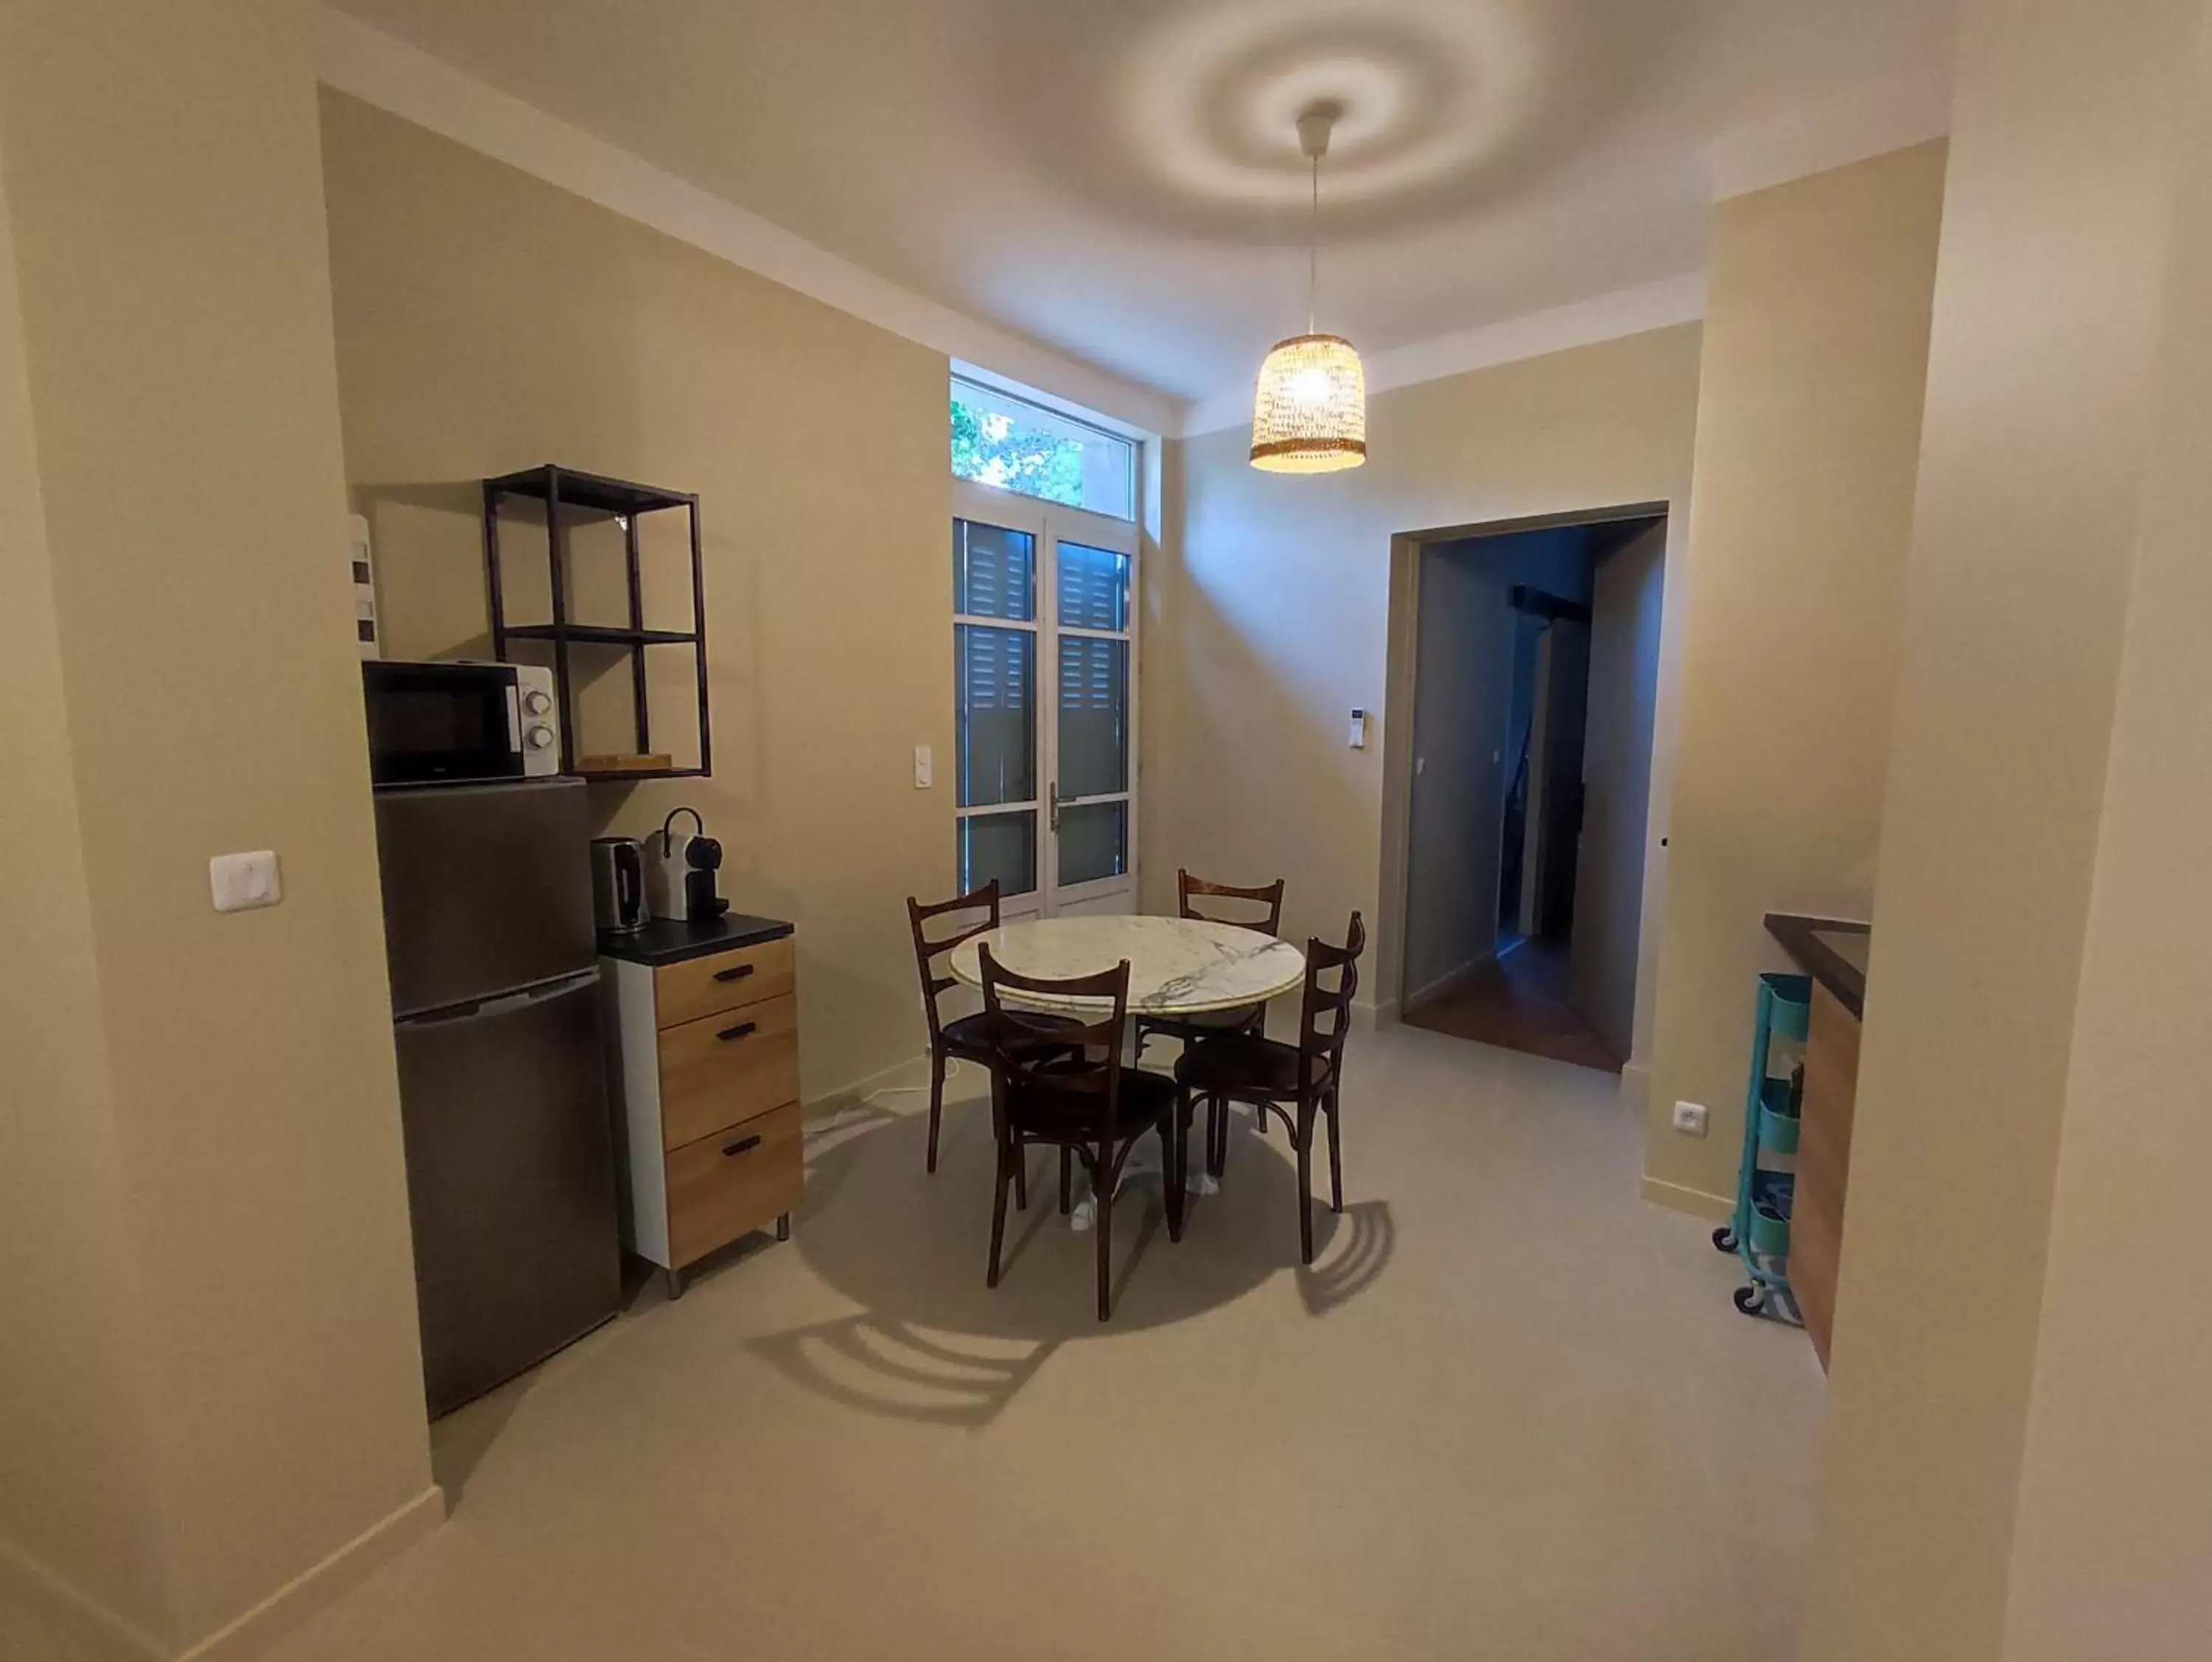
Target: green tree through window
(996,450)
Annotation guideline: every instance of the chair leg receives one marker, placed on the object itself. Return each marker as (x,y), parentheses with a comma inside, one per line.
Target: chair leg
(936,1101)
(1102,1190)
(1305,1181)
(998,1217)
(1178,1166)
(1066,1173)
(1021,1175)
(1335,1156)
(1217,1135)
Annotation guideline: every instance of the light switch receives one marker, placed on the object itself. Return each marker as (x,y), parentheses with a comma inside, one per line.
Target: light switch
(1360,729)
(924,768)
(240,882)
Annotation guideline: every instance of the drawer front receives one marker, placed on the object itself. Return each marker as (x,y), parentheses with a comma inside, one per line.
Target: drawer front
(734,1182)
(706,986)
(727,1068)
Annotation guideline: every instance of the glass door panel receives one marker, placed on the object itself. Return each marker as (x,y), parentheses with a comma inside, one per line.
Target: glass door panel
(1044,655)
(995,705)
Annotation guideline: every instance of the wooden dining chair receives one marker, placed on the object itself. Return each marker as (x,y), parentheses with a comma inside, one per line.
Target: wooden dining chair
(967,1036)
(1088,1105)
(1301,1082)
(1261,910)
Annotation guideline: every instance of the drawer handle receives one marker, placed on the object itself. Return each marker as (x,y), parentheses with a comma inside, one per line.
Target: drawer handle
(741,1146)
(738,1032)
(736,972)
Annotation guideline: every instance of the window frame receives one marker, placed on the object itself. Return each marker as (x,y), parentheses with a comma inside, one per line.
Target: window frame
(1050,524)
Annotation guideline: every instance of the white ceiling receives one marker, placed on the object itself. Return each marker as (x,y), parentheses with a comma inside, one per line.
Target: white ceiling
(1119,180)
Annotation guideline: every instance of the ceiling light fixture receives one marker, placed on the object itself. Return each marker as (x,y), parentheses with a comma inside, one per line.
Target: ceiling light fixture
(1310,412)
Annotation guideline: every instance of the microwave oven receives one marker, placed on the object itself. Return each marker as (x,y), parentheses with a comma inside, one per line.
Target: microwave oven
(459,723)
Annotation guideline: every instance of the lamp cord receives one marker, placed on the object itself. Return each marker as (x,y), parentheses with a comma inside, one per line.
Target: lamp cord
(1313,252)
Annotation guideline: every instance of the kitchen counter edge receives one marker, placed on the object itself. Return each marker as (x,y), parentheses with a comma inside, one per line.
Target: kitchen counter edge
(665,942)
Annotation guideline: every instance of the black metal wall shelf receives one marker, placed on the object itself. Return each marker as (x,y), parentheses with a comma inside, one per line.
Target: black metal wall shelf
(567,492)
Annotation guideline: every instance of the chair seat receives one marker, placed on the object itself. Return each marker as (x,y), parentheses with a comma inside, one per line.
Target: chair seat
(1242,1064)
(980,1035)
(1036,1109)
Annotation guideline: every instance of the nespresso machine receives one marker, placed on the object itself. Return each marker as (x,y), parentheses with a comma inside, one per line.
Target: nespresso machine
(679,871)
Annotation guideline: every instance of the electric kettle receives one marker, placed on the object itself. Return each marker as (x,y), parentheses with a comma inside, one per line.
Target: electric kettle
(618,902)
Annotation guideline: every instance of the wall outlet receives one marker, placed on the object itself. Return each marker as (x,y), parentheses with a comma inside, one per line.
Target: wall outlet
(1690,1118)
(239,882)
(924,768)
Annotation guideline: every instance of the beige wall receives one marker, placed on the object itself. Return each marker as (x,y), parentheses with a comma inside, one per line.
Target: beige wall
(75,1472)
(2055,307)
(160,175)
(1276,613)
(1808,421)
(2112,1536)
(487,321)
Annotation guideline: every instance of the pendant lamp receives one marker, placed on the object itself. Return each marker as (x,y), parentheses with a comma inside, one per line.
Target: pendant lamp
(1310,412)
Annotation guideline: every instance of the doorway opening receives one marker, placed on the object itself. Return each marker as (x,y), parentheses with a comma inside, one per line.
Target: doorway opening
(1534,693)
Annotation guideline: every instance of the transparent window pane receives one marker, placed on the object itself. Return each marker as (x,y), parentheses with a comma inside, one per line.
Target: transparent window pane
(994,571)
(994,704)
(1001,845)
(1094,716)
(1010,443)
(1094,587)
(1094,841)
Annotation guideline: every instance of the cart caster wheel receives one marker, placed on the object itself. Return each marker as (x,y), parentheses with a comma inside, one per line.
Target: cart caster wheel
(1750,1299)
(1724,1239)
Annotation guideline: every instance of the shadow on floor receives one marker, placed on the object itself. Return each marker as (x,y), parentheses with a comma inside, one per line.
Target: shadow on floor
(932,1343)
(1519,1001)
(1352,1257)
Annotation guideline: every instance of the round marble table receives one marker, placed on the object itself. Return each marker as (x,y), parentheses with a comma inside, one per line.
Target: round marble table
(1177,965)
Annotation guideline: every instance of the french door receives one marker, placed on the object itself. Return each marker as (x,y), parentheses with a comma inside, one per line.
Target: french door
(1044,629)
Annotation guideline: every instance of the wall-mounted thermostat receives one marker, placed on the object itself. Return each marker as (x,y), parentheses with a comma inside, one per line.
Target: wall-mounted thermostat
(1360,729)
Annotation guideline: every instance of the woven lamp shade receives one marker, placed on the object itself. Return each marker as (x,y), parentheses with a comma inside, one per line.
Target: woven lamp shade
(1310,415)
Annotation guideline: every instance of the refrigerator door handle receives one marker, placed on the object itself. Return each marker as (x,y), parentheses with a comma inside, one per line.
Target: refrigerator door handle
(479,1009)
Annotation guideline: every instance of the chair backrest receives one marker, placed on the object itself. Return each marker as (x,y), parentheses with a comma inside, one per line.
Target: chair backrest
(928,949)
(1092,1084)
(1326,1017)
(1189,891)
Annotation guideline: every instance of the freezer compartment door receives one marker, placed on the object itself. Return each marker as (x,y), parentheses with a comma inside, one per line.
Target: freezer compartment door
(487,888)
(510,1183)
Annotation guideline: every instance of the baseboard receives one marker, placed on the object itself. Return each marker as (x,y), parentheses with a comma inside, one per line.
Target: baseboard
(1675,1197)
(1635,1086)
(45,1614)
(315,1587)
(912,1074)
(1450,979)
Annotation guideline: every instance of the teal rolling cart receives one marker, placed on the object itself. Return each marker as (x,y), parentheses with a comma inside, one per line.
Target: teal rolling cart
(1759,1232)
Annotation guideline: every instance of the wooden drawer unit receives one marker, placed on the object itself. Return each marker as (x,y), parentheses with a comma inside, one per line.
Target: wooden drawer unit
(699,986)
(704,1056)
(727,1068)
(723,1185)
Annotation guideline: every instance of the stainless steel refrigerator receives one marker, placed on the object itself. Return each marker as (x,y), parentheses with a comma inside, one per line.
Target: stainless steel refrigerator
(502,1080)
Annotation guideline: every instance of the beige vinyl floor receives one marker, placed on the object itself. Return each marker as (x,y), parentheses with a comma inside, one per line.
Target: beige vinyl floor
(1510,1412)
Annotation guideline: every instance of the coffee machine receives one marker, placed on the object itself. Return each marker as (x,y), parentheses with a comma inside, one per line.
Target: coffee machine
(679,871)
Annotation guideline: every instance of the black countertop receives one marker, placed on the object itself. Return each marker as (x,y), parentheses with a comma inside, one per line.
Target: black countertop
(1832,950)
(664,943)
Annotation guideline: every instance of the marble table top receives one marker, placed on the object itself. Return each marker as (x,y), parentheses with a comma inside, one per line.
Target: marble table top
(1177,965)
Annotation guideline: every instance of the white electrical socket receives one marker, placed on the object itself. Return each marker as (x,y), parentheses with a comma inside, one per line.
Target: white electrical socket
(1690,1118)
(924,768)
(240,882)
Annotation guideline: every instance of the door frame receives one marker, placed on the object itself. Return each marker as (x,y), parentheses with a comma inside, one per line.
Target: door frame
(1050,524)
(1401,676)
